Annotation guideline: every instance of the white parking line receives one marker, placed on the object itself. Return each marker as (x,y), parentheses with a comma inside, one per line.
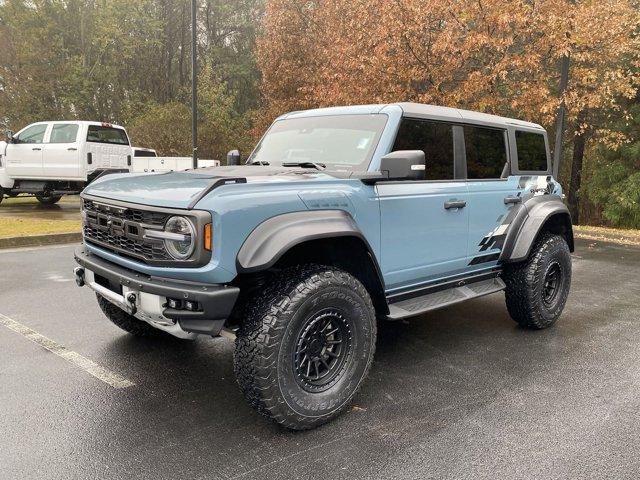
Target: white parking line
(89,366)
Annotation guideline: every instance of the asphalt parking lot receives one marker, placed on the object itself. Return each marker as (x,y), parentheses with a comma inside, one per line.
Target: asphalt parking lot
(459,393)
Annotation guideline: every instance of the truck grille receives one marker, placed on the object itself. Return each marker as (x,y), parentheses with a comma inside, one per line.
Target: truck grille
(121,229)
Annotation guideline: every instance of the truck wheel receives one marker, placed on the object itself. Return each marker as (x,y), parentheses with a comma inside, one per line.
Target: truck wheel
(48,199)
(537,289)
(126,322)
(305,346)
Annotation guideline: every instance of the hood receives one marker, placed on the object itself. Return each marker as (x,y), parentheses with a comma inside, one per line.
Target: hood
(181,189)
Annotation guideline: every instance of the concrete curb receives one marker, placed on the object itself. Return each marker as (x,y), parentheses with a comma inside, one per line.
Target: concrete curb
(39,240)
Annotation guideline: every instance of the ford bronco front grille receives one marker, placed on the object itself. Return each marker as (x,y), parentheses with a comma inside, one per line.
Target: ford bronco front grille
(121,228)
(139,249)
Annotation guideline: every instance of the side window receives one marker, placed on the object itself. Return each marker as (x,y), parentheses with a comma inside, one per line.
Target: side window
(64,133)
(32,134)
(486,151)
(532,152)
(435,139)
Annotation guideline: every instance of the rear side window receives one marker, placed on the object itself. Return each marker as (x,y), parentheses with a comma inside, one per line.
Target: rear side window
(32,134)
(486,151)
(100,134)
(532,152)
(435,139)
(63,133)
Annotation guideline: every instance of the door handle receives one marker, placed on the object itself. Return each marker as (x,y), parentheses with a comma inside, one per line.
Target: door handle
(72,149)
(508,200)
(37,149)
(454,204)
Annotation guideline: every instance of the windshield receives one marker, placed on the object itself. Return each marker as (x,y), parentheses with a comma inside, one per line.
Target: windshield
(336,141)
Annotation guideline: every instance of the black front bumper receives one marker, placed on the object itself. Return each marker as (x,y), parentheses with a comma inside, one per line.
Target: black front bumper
(216,301)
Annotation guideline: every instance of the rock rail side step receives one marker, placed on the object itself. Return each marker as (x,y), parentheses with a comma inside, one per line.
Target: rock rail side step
(443,298)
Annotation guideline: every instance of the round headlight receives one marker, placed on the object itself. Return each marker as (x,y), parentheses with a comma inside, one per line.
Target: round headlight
(181,247)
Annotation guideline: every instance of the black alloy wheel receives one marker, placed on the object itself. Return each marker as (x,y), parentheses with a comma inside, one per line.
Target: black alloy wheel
(323,347)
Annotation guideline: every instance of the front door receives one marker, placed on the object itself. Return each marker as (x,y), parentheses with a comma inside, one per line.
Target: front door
(61,158)
(424,224)
(24,154)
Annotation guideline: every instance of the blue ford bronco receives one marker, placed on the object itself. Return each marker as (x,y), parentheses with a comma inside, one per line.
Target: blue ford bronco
(338,218)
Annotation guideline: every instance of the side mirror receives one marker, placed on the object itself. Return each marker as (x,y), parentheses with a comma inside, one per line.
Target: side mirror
(404,165)
(9,134)
(233,157)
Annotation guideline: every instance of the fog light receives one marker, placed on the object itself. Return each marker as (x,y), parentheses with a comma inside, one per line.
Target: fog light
(174,304)
(191,306)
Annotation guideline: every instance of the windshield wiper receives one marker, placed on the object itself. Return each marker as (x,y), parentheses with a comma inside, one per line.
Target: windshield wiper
(260,162)
(317,166)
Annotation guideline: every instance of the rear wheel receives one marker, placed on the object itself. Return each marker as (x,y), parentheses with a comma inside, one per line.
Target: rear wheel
(305,346)
(48,199)
(537,289)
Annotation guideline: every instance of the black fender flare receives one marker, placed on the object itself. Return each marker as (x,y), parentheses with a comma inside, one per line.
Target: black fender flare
(529,221)
(270,240)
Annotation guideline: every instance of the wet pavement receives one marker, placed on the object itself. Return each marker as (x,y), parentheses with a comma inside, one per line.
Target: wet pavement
(459,393)
(67,209)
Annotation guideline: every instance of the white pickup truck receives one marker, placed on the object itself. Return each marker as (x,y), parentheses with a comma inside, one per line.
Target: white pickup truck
(51,159)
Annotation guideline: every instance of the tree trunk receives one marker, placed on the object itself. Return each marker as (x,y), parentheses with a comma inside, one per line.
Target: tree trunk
(579,143)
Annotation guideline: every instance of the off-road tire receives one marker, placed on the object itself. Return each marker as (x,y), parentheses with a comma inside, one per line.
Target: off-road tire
(48,199)
(269,340)
(126,322)
(525,294)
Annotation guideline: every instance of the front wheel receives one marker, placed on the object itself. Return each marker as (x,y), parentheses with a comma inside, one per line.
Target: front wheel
(305,346)
(48,199)
(537,289)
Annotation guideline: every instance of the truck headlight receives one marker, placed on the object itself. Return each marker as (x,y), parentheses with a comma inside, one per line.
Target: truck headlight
(179,237)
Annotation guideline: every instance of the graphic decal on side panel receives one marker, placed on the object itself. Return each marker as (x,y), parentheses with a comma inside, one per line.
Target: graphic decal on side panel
(531,186)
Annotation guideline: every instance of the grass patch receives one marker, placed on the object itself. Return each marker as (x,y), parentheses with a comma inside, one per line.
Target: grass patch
(608,230)
(20,227)
(621,236)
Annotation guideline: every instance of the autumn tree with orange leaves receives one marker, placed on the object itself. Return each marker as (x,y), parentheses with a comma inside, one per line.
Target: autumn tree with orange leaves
(496,56)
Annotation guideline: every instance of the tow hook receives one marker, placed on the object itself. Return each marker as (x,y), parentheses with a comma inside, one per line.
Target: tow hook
(79,273)
(131,299)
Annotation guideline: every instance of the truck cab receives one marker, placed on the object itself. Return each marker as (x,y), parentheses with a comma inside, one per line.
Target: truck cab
(49,159)
(340,217)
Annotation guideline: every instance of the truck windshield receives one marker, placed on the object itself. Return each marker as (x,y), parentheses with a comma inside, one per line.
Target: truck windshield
(100,134)
(335,141)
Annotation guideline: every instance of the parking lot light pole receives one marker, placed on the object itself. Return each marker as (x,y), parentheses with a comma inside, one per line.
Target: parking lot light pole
(194,86)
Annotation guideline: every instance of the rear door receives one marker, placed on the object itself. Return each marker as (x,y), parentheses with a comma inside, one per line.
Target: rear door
(24,154)
(423,237)
(494,194)
(61,157)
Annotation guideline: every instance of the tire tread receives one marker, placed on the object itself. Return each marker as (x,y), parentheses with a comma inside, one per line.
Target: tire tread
(258,340)
(523,280)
